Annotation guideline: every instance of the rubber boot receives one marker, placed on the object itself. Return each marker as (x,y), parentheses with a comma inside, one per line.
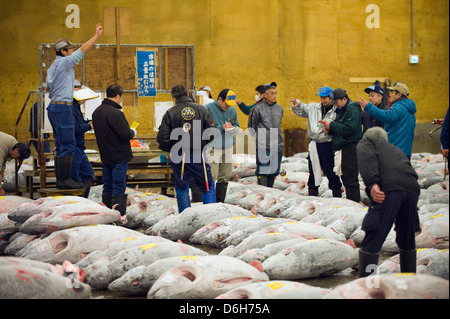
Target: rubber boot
(221,192)
(121,201)
(408,261)
(337,192)
(368,263)
(313,191)
(63,166)
(353,194)
(107,200)
(210,197)
(262,180)
(87,188)
(196,195)
(183,200)
(270,181)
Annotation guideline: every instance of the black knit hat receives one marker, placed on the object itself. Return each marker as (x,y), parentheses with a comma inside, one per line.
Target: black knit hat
(24,150)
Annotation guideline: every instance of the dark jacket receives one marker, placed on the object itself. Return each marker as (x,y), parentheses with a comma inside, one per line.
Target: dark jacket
(369,121)
(382,163)
(186,118)
(444,133)
(113,133)
(81,126)
(266,116)
(346,128)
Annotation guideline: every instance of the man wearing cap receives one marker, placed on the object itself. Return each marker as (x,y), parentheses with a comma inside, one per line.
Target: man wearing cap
(220,154)
(399,119)
(182,133)
(320,148)
(60,83)
(376,97)
(346,132)
(10,149)
(264,123)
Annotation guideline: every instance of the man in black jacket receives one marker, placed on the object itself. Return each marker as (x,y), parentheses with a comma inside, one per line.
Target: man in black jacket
(185,130)
(113,135)
(392,186)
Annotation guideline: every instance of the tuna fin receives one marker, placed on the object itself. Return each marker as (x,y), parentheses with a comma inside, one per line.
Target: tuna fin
(351,243)
(257,265)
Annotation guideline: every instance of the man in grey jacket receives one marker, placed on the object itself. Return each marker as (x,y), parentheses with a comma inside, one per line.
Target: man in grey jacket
(264,122)
(321,155)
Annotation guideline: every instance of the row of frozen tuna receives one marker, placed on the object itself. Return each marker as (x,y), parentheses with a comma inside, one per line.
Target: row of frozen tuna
(308,229)
(109,254)
(159,268)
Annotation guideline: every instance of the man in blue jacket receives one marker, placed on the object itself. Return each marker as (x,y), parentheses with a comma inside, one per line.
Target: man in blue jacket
(399,120)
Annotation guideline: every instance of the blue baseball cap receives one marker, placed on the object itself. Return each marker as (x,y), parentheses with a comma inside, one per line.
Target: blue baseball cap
(325,91)
(374,88)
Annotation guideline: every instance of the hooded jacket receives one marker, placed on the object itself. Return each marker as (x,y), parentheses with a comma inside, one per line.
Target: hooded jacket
(346,128)
(400,122)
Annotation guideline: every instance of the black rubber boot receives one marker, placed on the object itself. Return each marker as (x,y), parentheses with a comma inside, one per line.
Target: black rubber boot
(63,167)
(87,188)
(368,263)
(313,191)
(196,194)
(270,181)
(337,192)
(262,180)
(221,191)
(121,201)
(107,200)
(408,261)
(353,194)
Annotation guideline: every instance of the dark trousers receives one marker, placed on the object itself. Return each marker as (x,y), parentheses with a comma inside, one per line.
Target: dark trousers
(81,167)
(349,166)
(268,163)
(399,207)
(62,121)
(326,159)
(114,178)
(193,167)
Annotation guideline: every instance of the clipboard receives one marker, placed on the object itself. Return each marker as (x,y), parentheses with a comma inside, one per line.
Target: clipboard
(84,94)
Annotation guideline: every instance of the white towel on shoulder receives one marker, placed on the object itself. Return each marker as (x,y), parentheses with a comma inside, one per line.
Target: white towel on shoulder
(337,163)
(314,158)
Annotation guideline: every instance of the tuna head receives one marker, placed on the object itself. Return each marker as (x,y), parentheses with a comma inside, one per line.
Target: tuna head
(206,277)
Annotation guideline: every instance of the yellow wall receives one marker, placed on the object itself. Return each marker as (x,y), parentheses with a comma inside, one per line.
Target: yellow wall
(239,44)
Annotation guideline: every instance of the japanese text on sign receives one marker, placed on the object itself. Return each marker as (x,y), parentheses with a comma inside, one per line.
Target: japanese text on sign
(146,73)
